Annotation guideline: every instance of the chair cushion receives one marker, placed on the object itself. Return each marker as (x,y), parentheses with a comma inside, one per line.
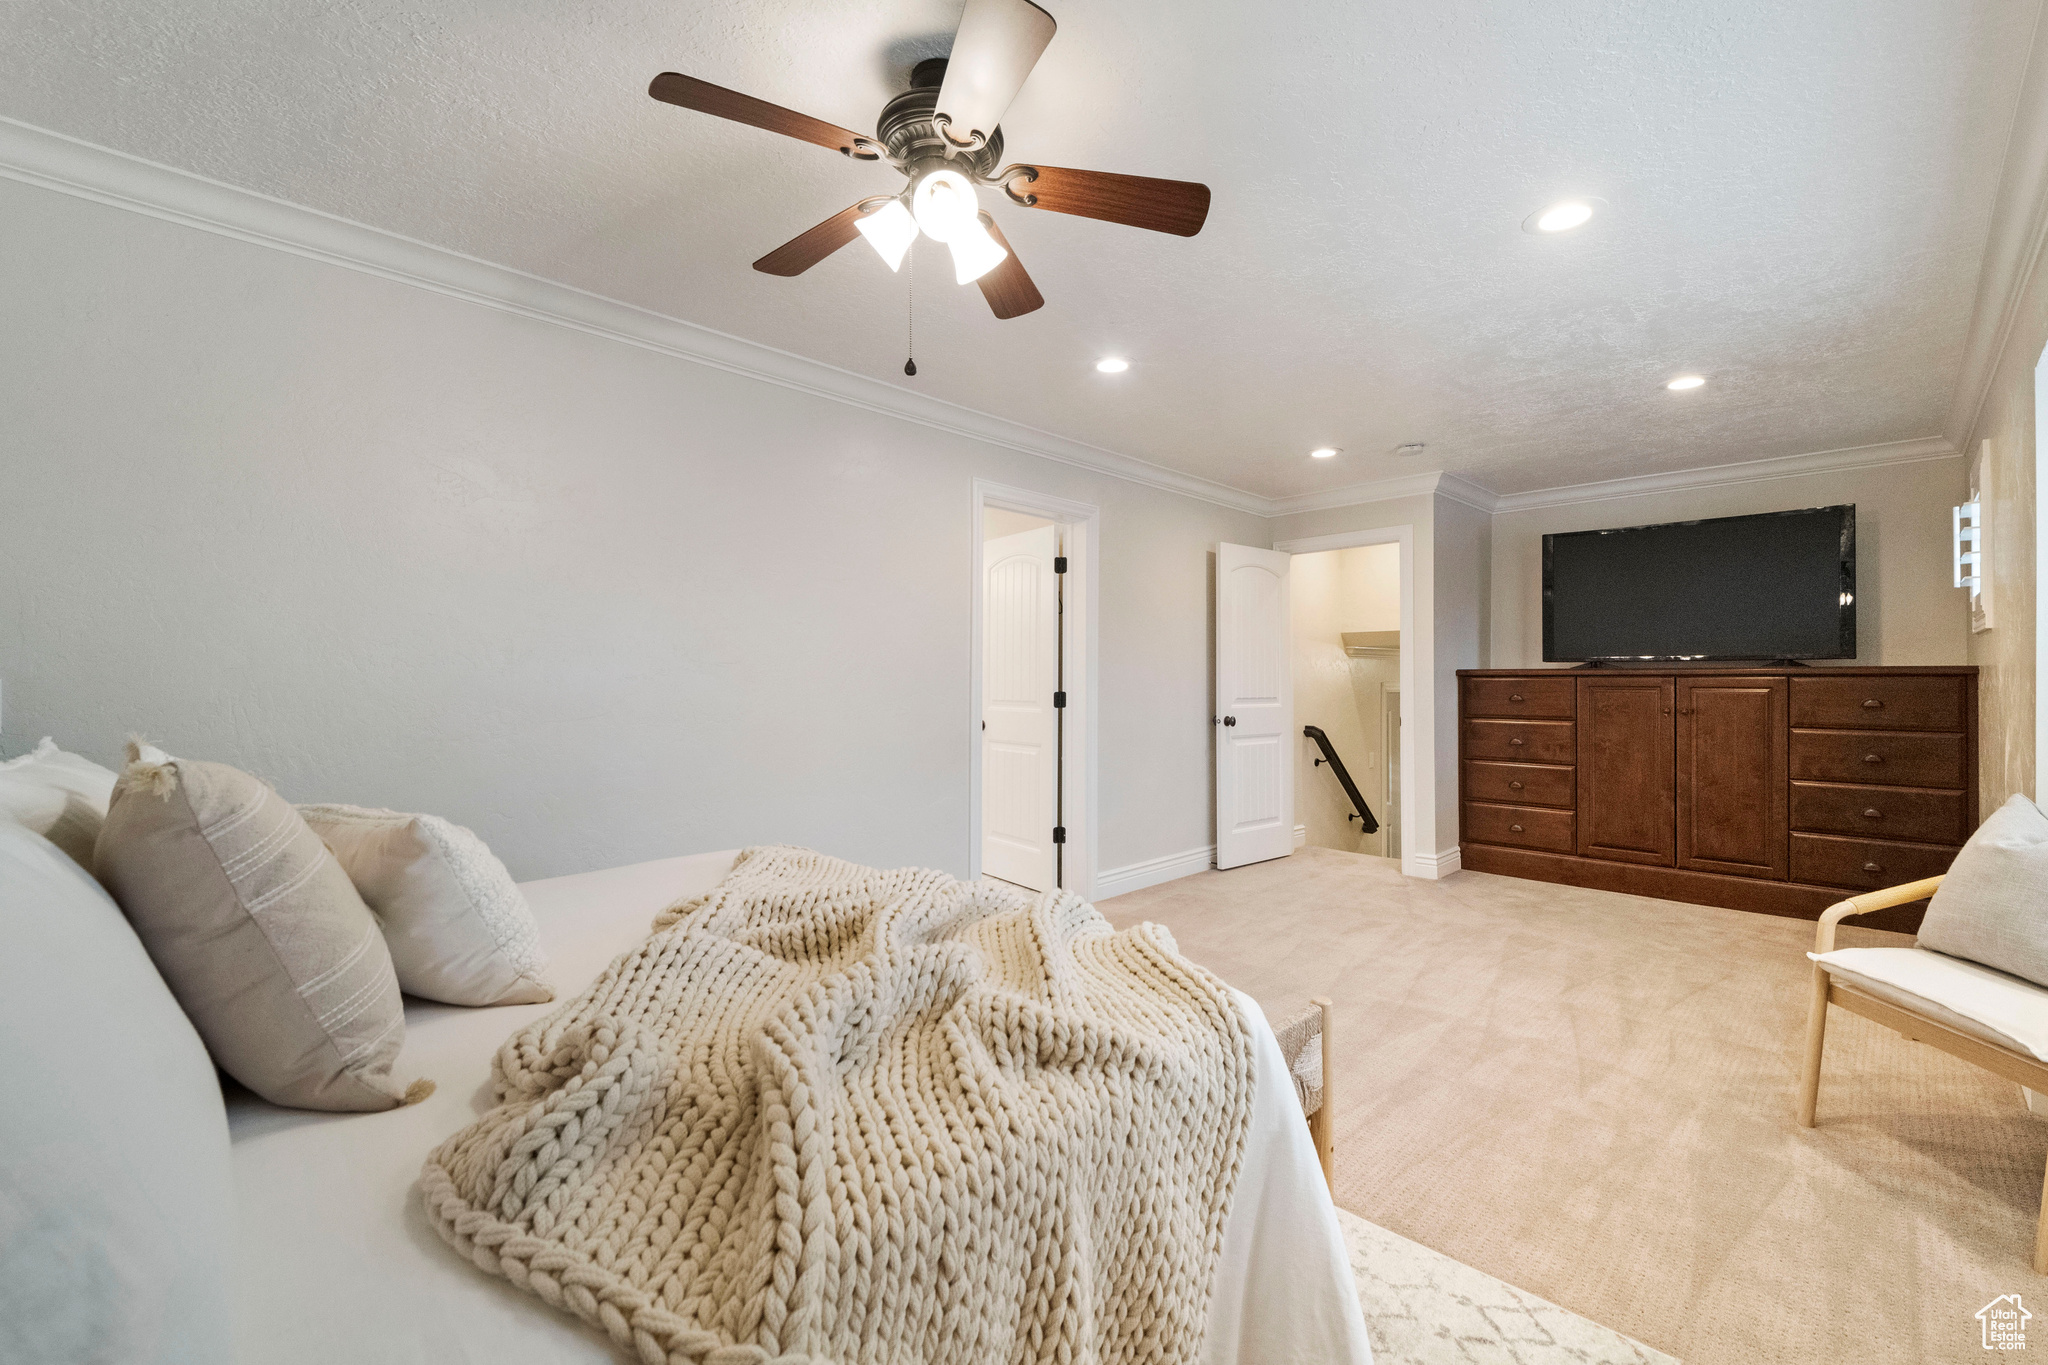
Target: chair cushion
(1995,1006)
(1992,906)
(116,1191)
(58,795)
(265,943)
(458,929)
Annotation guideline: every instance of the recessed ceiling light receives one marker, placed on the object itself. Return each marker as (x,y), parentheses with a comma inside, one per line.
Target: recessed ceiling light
(1112,364)
(1324,453)
(1562,216)
(1686,381)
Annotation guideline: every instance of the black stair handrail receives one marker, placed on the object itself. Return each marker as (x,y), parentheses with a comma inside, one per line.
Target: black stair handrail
(1368,824)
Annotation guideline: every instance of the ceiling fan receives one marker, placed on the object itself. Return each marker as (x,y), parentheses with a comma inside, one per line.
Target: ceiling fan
(943,134)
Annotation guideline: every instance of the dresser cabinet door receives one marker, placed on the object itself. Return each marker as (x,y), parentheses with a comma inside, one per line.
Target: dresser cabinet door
(1731,776)
(1626,789)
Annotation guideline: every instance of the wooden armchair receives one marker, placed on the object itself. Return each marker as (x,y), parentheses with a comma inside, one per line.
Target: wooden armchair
(1923,1022)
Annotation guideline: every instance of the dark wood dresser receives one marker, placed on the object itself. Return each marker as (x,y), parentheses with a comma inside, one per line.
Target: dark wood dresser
(1776,789)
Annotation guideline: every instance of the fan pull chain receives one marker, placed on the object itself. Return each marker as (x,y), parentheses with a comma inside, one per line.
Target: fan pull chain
(910,340)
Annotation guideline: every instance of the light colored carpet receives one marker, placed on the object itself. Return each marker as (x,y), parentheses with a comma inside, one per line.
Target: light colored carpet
(1423,1308)
(1590,1096)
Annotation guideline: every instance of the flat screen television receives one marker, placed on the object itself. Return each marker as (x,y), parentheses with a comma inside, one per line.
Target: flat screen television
(1779,585)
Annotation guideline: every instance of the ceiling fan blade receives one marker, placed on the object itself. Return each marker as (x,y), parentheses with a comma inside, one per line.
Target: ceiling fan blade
(1008,289)
(706,98)
(1176,206)
(994,49)
(805,250)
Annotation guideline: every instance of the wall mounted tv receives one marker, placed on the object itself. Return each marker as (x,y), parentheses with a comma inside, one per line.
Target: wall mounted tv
(1780,585)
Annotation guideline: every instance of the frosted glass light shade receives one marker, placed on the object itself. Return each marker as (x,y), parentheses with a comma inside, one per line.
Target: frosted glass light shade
(890,230)
(975,253)
(945,206)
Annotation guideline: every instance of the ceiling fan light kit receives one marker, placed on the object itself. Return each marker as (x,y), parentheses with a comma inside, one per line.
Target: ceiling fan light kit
(943,135)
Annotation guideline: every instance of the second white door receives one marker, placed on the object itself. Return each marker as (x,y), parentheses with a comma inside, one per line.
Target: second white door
(1255,696)
(1020,736)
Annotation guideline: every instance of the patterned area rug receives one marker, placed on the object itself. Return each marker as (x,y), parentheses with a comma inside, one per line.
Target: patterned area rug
(1423,1308)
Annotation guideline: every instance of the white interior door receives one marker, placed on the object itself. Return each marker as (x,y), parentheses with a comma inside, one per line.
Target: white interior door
(1255,700)
(1019,738)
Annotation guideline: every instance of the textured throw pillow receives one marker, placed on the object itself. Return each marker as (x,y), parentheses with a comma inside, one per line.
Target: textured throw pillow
(458,929)
(60,796)
(1992,907)
(258,932)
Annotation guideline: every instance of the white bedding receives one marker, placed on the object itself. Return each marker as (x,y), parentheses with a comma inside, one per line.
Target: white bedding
(337,1262)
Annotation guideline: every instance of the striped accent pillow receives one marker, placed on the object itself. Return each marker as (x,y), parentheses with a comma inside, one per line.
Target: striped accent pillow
(259,933)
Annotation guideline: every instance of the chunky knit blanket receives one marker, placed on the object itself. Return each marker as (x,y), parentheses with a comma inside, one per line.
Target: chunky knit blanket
(834,1114)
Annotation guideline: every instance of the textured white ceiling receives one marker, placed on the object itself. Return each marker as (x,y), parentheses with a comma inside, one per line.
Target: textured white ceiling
(1798,199)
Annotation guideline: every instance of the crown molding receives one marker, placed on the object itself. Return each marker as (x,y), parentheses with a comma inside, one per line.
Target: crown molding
(2012,248)
(1749,471)
(1353,494)
(49,160)
(52,161)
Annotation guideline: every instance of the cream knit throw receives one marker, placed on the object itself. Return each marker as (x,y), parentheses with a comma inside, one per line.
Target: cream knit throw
(833,1114)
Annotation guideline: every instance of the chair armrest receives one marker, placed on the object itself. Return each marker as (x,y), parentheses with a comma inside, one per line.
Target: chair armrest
(1824,932)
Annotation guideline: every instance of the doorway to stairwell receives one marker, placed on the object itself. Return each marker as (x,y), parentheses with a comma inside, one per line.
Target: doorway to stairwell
(1345,616)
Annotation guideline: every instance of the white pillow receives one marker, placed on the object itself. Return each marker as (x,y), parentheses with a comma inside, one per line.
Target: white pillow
(459,930)
(1992,906)
(60,796)
(116,1197)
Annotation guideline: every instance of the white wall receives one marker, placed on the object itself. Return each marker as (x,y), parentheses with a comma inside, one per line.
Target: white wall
(1907,612)
(1357,589)
(383,546)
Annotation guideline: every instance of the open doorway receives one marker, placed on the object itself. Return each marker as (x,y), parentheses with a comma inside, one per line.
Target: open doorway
(1345,617)
(1032,767)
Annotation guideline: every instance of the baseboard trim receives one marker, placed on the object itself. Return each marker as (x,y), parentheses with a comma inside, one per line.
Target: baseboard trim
(1117,881)
(1433,866)
(1301,836)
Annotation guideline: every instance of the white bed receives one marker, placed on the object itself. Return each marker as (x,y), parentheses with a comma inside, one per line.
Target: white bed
(337,1262)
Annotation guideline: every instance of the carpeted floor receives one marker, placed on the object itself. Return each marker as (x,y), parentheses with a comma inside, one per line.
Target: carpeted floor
(1590,1096)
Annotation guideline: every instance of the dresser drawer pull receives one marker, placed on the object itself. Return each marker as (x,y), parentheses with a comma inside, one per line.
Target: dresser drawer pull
(1514,741)
(1514,829)
(1873,705)
(1872,758)
(1514,786)
(1514,696)
(1873,813)
(1872,867)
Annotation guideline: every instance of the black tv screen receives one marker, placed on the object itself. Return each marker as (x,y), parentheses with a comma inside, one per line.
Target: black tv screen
(1780,585)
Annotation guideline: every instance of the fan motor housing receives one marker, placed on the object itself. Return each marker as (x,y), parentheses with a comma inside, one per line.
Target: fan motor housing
(907,129)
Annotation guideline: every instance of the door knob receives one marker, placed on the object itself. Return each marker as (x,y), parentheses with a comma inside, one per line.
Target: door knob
(1515,741)
(1873,813)
(1230,720)
(1872,867)
(1873,705)
(1872,758)
(1514,786)
(1515,829)
(1514,696)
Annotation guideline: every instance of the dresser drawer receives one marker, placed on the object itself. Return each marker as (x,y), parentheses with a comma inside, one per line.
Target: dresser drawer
(1539,697)
(1878,703)
(1521,741)
(1518,784)
(1928,817)
(1521,826)
(1882,758)
(1864,864)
